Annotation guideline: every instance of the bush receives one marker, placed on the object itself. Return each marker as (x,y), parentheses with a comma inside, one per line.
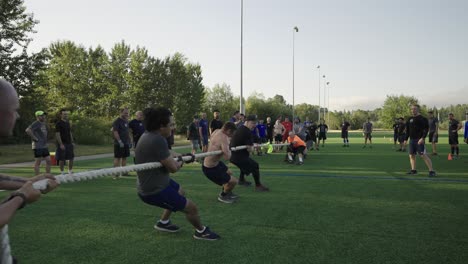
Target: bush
(91,131)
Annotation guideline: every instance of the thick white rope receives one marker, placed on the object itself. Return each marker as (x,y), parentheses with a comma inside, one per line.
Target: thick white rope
(93,174)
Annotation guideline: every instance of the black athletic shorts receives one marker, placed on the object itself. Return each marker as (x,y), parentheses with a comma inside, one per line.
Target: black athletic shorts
(453,139)
(297,150)
(121,152)
(279,137)
(246,165)
(41,153)
(217,174)
(322,135)
(401,138)
(67,154)
(433,138)
(344,134)
(368,135)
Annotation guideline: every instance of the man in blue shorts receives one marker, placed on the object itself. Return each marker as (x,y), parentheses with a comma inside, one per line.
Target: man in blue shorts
(214,169)
(203,131)
(155,187)
(417,128)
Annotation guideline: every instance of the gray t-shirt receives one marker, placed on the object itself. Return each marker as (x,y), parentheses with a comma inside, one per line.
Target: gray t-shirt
(39,130)
(152,147)
(432,124)
(367,127)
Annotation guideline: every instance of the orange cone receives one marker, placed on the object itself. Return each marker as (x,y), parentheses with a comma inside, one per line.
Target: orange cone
(449,157)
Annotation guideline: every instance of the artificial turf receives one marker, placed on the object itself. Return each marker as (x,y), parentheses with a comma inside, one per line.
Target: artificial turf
(344,205)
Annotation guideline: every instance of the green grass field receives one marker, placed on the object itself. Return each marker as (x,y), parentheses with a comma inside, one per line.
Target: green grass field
(344,205)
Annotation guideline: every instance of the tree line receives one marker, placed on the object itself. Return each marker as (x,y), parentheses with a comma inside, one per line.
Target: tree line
(94,84)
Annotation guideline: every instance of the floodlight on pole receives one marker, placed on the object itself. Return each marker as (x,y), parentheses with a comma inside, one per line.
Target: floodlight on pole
(241,103)
(324,95)
(318,67)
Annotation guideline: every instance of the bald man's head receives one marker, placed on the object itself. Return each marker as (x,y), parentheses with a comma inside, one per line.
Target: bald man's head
(9,105)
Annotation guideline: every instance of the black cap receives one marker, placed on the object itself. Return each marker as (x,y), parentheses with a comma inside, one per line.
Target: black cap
(251,118)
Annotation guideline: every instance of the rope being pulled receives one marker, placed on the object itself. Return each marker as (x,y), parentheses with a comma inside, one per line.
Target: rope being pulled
(5,251)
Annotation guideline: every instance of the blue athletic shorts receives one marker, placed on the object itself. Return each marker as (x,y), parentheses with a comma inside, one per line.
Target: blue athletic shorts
(217,174)
(169,198)
(415,148)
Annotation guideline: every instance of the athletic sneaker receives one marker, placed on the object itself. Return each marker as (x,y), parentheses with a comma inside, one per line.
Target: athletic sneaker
(232,195)
(300,163)
(166,227)
(225,199)
(261,188)
(245,183)
(206,235)
(432,174)
(434,154)
(412,172)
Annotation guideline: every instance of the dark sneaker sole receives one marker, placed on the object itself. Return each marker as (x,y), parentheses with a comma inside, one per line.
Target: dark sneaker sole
(207,239)
(166,230)
(225,201)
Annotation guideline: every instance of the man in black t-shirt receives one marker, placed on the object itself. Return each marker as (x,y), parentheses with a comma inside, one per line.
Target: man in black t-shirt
(311,137)
(401,134)
(121,139)
(136,127)
(241,158)
(323,129)
(216,123)
(270,127)
(453,128)
(395,132)
(65,145)
(344,133)
(417,129)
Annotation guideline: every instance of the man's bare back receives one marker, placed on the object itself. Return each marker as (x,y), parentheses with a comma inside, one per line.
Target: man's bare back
(218,141)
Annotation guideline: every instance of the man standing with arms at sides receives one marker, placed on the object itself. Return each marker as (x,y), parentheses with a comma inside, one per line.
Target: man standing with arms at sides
(240,158)
(270,127)
(367,132)
(214,169)
(323,129)
(203,131)
(136,127)
(453,128)
(216,123)
(311,139)
(433,131)
(395,132)
(465,134)
(344,133)
(193,135)
(417,129)
(155,187)
(402,134)
(25,193)
(65,144)
(121,139)
(288,126)
(38,133)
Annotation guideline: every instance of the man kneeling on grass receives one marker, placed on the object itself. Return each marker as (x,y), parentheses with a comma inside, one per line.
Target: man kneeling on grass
(214,169)
(296,147)
(155,187)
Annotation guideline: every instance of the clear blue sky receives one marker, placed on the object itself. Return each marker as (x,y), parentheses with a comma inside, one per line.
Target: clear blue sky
(367,49)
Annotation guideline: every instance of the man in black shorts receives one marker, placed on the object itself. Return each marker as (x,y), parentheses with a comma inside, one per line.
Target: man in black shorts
(38,132)
(155,186)
(453,128)
(433,131)
(323,129)
(214,169)
(395,132)
(243,136)
(65,145)
(402,134)
(344,133)
(121,139)
(417,129)
(311,138)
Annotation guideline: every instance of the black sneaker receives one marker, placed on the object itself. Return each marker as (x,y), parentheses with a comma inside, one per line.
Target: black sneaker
(245,183)
(432,174)
(166,227)
(412,172)
(206,235)
(232,195)
(225,199)
(300,162)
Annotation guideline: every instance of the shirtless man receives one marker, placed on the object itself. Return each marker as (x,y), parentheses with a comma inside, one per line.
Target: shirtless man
(214,169)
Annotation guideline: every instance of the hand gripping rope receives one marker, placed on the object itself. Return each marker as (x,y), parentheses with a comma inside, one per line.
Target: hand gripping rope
(93,174)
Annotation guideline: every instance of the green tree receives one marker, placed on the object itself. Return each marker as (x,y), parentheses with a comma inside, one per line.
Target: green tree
(394,107)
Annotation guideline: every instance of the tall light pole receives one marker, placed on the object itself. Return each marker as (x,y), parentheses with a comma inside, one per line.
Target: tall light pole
(324,95)
(328,105)
(318,67)
(241,104)
(295,29)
